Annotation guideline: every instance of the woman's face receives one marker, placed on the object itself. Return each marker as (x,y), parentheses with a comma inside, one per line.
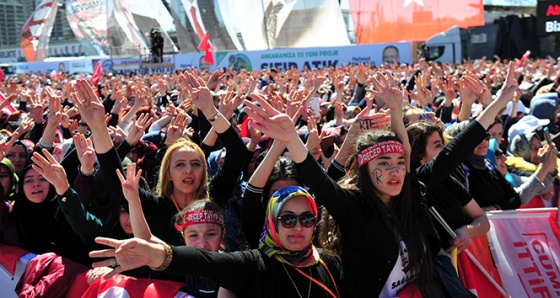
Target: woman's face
(186,170)
(496,132)
(482,147)
(5,180)
(298,237)
(124,220)
(35,187)
(205,236)
(387,174)
(501,162)
(434,144)
(282,183)
(18,156)
(534,150)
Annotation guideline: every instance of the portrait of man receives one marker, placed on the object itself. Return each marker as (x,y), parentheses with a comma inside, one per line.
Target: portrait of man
(390,55)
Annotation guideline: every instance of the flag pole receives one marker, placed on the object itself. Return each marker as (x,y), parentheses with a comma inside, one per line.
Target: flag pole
(485,272)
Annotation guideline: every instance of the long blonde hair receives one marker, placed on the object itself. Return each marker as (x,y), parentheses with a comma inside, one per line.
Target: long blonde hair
(164,187)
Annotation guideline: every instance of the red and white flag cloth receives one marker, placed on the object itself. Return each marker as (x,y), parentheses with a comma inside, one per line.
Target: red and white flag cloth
(525,244)
(206,46)
(523,58)
(36,32)
(9,257)
(96,75)
(121,286)
(9,108)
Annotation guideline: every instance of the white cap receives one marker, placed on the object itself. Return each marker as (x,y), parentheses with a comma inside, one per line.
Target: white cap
(527,124)
(520,108)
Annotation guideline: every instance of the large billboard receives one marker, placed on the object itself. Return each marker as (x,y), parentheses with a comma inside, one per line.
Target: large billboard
(548,17)
(378,21)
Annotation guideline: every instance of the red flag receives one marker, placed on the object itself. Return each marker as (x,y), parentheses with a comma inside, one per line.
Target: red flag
(10,255)
(525,56)
(207,48)
(476,279)
(9,108)
(96,74)
(377,21)
(126,286)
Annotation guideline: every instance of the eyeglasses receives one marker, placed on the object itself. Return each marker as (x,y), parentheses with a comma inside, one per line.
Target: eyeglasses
(306,219)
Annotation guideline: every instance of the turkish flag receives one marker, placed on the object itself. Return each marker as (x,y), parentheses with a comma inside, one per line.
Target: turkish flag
(378,21)
(475,279)
(9,257)
(96,76)
(207,48)
(126,286)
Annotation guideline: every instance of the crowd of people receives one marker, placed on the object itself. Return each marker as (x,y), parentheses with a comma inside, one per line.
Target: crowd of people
(277,183)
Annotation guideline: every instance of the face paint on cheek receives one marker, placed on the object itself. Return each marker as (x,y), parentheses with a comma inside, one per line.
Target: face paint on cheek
(377,173)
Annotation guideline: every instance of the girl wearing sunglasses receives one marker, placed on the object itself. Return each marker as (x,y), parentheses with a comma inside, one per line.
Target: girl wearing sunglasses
(285,265)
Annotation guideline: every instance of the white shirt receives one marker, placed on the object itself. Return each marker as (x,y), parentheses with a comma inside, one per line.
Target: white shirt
(398,277)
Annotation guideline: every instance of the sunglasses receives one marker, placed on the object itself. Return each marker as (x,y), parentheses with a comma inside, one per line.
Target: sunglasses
(306,219)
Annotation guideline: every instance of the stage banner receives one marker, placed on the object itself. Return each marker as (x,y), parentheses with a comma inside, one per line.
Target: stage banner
(525,244)
(311,58)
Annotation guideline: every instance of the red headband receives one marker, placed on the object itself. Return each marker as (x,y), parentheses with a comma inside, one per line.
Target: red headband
(376,150)
(200,216)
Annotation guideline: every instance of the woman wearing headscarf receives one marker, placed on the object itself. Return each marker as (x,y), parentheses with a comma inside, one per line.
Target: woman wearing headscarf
(285,265)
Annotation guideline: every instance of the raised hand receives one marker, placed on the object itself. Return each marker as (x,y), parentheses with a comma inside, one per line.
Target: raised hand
(366,122)
(176,128)
(449,90)
(117,134)
(314,139)
(138,128)
(423,92)
(226,106)
(130,183)
(547,156)
(126,254)
(215,79)
(25,126)
(478,88)
(55,107)
(51,170)
(270,121)
(466,94)
(85,152)
(201,95)
(386,88)
(120,103)
(88,104)
(37,108)
(5,147)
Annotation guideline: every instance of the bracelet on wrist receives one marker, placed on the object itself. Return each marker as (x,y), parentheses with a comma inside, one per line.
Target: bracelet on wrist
(213,118)
(168,258)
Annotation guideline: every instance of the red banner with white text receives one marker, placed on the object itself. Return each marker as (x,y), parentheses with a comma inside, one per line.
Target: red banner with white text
(526,249)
